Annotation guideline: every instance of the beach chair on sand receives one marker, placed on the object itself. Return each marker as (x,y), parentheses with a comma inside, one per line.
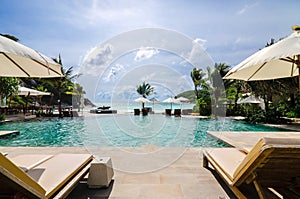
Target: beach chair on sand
(42,176)
(273,164)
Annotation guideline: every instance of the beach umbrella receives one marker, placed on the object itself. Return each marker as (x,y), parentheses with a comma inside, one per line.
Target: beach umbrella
(172,101)
(28,91)
(250,100)
(279,60)
(142,100)
(153,100)
(183,99)
(17,60)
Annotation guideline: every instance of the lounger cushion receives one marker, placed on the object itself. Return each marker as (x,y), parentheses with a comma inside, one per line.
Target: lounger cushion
(227,159)
(27,162)
(18,173)
(56,171)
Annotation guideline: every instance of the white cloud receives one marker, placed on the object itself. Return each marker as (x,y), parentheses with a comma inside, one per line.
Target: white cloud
(201,42)
(96,60)
(238,40)
(145,53)
(113,72)
(246,8)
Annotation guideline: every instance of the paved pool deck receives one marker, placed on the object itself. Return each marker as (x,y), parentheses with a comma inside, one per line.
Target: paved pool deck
(246,140)
(182,178)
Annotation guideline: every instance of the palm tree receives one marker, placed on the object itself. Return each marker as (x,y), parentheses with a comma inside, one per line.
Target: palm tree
(197,77)
(145,90)
(218,86)
(62,84)
(79,92)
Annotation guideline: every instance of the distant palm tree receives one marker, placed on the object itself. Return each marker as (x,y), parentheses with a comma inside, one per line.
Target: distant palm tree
(64,83)
(79,92)
(144,90)
(197,76)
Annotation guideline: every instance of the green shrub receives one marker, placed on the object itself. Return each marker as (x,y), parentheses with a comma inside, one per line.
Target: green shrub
(2,117)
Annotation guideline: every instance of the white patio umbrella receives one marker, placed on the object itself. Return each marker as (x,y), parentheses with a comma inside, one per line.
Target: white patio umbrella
(28,91)
(279,60)
(153,100)
(17,60)
(172,101)
(141,100)
(250,100)
(183,99)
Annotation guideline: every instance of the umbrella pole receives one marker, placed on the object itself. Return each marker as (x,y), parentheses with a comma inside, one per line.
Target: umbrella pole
(298,65)
(299,80)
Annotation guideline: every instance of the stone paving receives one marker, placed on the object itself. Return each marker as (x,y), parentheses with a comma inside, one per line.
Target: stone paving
(183,178)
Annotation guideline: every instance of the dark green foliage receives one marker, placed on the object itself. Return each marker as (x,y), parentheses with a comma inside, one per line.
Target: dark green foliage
(10,37)
(145,89)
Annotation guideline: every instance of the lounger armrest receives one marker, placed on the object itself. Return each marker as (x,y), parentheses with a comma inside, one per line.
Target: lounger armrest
(20,186)
(66,190)
(9,167)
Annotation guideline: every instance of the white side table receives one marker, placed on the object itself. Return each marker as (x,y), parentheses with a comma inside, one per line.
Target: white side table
(101,173)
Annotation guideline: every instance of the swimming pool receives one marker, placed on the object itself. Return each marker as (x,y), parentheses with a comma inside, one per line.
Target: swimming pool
(123,130)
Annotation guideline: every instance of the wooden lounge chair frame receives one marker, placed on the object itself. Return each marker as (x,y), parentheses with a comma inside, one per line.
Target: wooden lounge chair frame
(273,163)
(18,182)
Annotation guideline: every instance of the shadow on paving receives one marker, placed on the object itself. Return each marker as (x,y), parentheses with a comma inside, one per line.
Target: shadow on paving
(82,191)
(248,190)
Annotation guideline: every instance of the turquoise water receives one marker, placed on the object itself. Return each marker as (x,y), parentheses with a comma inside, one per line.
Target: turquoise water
(123,130)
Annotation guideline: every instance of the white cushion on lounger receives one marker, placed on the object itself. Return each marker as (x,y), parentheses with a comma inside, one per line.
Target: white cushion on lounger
(228,163)
(27,162)
(56,171)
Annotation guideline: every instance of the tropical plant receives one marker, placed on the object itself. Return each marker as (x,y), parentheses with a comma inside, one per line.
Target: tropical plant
(197,76)
(8,87)
(145,89)
(62,84)
(78,92)
(10,37)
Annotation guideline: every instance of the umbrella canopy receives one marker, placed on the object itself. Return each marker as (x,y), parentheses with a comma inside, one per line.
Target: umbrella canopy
(141,100)
(17,60)
(32,92)
(279,60)
(171,100)
(183,99)
(250,100)
(154,100)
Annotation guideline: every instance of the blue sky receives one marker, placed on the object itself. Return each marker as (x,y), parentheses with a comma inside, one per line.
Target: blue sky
(229,31)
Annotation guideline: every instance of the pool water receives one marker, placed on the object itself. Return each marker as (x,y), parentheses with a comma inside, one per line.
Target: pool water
(123,130)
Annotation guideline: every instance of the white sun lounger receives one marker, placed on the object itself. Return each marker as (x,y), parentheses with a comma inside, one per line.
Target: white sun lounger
(42,176)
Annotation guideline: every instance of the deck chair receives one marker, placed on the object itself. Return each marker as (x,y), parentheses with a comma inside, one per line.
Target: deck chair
(42,176)
(177,112)
(272,164)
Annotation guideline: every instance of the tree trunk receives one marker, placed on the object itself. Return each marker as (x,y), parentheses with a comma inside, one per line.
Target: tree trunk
(293,102)
(266,104)
(196,92)
(59,103)
(235,108)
